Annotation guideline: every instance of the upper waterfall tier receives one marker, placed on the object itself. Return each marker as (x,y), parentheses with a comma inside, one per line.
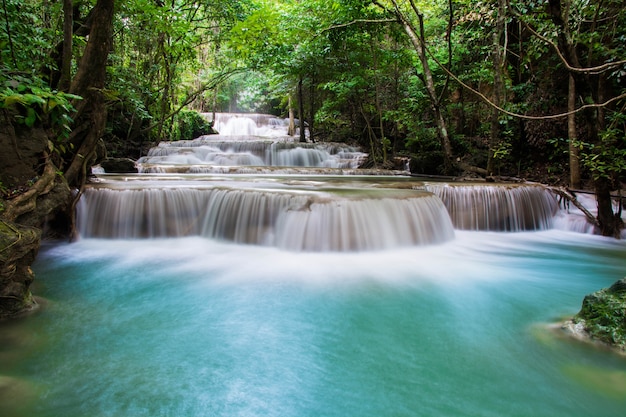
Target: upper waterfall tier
(248,124)
(293,219)
(217,150)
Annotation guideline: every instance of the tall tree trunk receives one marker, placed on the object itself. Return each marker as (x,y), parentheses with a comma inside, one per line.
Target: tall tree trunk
(312,108)
(418,42)
(574,153)
(68,33)
(379,110)
(498,83)
(89,83)
(301,111)
(291,131)
(559,12)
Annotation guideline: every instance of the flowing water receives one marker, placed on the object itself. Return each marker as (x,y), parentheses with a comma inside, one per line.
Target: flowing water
(267,295)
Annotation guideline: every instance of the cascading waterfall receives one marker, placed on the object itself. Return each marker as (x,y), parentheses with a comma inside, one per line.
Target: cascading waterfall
(498,207)
(302,221)
(211,151)
(322,217)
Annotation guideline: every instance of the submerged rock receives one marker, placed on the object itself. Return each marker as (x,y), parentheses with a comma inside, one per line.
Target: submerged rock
(602,317)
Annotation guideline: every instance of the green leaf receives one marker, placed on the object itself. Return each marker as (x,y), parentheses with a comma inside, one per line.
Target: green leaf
(31,117)
(13,99)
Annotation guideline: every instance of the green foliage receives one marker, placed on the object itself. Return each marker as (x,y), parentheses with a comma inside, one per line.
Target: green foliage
(190,125)
(34,103)
(362,80)
(3,193)
(607,159)
(166,54)
(27,34)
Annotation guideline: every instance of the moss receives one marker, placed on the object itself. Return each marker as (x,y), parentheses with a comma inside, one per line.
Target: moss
(603,315)
(18,248)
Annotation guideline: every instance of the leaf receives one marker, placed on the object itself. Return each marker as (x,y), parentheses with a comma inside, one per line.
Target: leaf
(13,99)
(51,104)
(29,99)
(31,117)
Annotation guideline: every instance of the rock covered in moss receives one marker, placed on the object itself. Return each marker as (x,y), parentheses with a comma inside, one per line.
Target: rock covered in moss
(603,315)
(18,248)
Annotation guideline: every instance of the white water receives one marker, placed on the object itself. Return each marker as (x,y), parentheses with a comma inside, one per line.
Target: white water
(196,327)
(294,217)
(191,191)
(218,150)
(499,208)
(248,124)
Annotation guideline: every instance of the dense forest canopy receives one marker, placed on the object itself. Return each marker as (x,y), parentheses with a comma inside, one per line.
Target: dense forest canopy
(529,89)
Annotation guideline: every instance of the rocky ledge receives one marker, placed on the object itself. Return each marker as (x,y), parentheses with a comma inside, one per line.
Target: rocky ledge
(602,318)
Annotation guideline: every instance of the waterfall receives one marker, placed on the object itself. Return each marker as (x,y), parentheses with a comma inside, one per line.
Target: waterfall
(214,151)
(248,124)
(265,195)
(497,207)
(299,221)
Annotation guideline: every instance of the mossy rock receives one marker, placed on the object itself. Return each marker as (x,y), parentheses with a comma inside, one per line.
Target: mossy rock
(603,315)
(18,248)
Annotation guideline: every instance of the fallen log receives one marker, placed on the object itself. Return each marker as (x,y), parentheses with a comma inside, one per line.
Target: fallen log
(571,197)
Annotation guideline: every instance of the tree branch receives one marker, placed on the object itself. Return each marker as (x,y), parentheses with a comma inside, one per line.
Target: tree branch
(566,194)
(519,115)
(357,21)
(589,70)
(205,87)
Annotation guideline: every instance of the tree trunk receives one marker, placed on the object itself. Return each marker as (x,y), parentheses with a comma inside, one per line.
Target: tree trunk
(89,83)
(417,41)
(312,109)
(498,84)
(68,33)
(292,122)
(301,111)
(574,153)
(610,224)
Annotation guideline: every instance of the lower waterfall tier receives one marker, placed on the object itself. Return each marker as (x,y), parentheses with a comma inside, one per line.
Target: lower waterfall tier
(345,220)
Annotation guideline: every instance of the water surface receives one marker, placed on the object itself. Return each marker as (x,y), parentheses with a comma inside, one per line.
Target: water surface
(194,327)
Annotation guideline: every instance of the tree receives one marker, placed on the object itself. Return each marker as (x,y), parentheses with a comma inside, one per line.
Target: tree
(89,83)
(589,45)
(412,20)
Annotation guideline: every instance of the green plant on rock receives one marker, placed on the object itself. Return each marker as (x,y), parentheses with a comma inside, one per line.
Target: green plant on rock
(189,125)
(603,314)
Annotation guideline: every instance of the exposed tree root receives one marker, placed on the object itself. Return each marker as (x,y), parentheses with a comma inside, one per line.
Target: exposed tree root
(27,201)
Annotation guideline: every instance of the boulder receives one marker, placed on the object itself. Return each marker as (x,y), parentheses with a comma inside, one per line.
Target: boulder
(119,165)
(602,317)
